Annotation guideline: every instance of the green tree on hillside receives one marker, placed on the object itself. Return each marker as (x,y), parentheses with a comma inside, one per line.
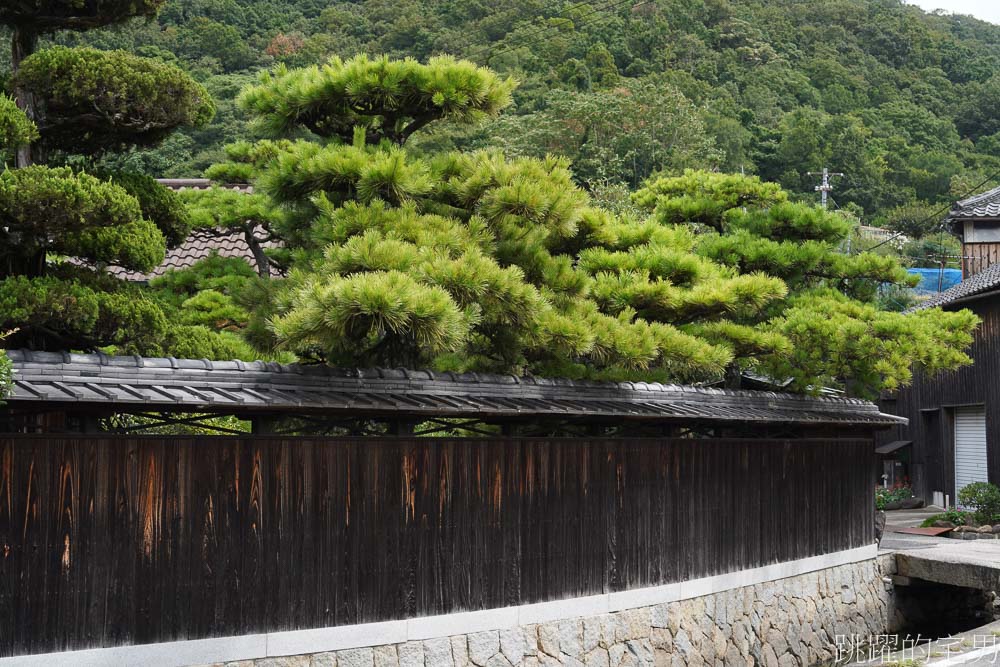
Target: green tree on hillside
(619,135)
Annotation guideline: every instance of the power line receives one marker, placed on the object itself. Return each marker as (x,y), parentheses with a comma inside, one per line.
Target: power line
(937,213)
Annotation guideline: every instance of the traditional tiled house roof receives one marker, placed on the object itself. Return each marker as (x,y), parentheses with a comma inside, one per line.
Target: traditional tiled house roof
(985,205)
(200,244)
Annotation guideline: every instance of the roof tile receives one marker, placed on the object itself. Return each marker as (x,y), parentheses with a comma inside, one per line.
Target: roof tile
(985,205)
(985,281)
(194,384)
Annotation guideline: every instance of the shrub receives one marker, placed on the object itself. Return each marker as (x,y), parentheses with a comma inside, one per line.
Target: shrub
(956,516)
(983,499)
(898,491)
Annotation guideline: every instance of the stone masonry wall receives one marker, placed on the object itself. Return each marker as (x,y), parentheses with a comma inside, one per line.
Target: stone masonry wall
(783,623)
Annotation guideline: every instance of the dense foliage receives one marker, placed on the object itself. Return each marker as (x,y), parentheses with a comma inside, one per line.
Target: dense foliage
(408,237)
(91,101)
(982,499)
(388,99)
(901,101)
(479,261)
(63,223)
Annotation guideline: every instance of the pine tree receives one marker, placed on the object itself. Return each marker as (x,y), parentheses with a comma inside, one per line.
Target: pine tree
(62,225)
(30,19)
(836,334)
(388,99)
(473,261)
(464,261)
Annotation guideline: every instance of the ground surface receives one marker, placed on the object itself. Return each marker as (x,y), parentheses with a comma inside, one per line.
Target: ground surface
(892,541)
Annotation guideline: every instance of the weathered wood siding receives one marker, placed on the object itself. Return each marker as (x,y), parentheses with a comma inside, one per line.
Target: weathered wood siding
(929,401)
(118,540)
(976,257)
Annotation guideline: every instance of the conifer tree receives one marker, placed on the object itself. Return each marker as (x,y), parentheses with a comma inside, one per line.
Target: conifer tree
(388,99)
(837,335)
(465,261)
(30,19)
(472,261)
(60,225)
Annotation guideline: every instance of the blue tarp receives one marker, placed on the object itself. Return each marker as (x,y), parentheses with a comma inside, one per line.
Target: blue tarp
(933,281)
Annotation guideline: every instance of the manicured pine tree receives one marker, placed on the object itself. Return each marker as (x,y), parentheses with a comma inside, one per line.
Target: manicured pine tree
(476,262)
(466,261)
(838,335)
(60,226)
(30,19)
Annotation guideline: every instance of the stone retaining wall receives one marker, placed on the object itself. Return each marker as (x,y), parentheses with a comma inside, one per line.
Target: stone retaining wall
(782,623)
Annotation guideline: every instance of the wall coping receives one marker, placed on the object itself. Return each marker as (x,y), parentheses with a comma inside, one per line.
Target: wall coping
(319,640)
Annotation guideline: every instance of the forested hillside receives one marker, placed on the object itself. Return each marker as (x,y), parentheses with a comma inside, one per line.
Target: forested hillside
(902,101)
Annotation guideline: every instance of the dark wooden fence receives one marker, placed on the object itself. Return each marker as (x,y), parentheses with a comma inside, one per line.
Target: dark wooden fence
(119,540)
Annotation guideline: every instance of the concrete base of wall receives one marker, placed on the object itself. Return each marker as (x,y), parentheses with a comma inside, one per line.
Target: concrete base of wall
(794,621)
(779,616)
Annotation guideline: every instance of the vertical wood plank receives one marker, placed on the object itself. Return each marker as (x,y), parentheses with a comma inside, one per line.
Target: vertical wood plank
(108,540)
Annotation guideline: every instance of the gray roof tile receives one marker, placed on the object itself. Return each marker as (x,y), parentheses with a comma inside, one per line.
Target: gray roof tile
(199,385)
(200,244)
(985,205)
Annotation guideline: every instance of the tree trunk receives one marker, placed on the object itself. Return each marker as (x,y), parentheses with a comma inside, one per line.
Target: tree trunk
(23,44)
(263,263)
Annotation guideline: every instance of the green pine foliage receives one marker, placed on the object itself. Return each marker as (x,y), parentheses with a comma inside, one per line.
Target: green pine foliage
(831,330)
(389,99)
(252,214)
(474,260)
(901,100)
(159,204)
(62,225)
(92,101)
(841,342)
(15,128)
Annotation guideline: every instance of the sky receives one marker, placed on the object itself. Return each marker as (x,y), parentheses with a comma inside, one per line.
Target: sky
(987,10)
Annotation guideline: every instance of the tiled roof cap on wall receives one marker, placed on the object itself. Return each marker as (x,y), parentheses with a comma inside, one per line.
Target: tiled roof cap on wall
(238,386)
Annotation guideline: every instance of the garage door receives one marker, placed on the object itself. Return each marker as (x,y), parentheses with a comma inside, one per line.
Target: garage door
(970,447)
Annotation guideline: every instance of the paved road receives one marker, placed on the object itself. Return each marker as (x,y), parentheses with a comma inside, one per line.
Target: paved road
(892,541)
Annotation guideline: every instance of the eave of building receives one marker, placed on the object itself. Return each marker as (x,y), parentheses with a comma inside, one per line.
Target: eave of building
(980,286)
(95,381)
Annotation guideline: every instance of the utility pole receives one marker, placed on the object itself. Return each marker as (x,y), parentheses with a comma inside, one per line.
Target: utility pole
(825,187)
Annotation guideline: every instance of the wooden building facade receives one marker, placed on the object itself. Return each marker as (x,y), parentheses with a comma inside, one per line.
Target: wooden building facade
(953,433)
(976,222)
(116,533)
